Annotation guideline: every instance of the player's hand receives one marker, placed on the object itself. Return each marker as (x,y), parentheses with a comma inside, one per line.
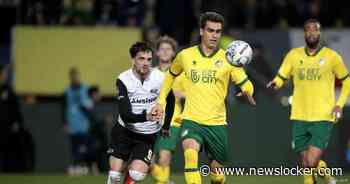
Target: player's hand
(151,117)
(157,111)
(272,85)
(165,133)
(337,113)
(249,98)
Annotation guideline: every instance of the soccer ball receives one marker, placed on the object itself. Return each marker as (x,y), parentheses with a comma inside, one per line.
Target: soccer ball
(239,53)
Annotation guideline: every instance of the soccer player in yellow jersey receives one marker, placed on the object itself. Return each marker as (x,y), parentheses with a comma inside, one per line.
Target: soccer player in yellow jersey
(313,69)
(204,117)
(166,48)
(165,146)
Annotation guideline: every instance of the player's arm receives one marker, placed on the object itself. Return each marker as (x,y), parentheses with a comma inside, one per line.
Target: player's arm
(169,112)
(283,73)
(344,93)
(86,104)
(166,87)
(124,105)
(240,78)
(341,73)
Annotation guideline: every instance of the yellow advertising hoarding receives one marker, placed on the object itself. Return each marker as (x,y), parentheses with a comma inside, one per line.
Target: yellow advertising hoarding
(42,57)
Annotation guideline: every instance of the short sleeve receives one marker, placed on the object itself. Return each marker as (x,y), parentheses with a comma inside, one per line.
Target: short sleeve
(177,65)
(238,75)
(286,67)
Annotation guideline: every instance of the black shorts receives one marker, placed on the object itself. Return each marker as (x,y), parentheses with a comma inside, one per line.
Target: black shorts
(128,145)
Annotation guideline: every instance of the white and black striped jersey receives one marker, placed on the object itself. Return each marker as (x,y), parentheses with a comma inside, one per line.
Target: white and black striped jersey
(135,98)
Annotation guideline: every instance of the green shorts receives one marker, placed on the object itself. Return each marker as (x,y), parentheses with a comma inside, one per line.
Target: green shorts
(168,143)
(311,133)
(213,139)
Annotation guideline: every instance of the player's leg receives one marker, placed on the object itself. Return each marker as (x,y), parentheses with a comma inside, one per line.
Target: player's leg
(215,176)
(192,141)
(300,141)
(142,153)
(322,166)
(137,171)
(164,149)
(321,133)
(191,148)
(114,174)
(216,139)
(311,158)
(119,151)
(161,170)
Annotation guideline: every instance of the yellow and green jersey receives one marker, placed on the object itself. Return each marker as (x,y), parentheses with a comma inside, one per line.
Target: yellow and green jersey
(207,83)
(179,86)
(313,79)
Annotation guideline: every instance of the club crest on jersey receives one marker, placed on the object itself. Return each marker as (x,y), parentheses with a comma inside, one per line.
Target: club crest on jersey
(322,61)
(218,63)
(195,76)
(184,133)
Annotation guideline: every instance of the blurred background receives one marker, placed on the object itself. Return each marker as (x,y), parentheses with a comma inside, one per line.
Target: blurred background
(46,46)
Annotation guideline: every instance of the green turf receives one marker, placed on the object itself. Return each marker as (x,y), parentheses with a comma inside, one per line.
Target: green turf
(178,179)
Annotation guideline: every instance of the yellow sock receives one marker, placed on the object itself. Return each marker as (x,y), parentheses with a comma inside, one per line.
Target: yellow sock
(192,175)
(161,174)
(309,179)
(217,178)
(155,171)
(322,165)
(164,175)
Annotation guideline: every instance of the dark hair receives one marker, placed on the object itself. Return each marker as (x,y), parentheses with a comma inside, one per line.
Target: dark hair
(211,16)
(139,47)
(312,21)
(168,40)
(92,90)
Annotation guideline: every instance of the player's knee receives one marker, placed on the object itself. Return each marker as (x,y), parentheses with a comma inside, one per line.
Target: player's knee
(114,177)
(137,175)
(164,160)
(312,162)
(190,143)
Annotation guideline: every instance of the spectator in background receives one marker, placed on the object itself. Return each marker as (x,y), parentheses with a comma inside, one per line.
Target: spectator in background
(78,12)
(150,34)
(177,25)
(76,122)
(40,12)
(16,144)
(132,12)
(35,13)
(98,139)
(107,14)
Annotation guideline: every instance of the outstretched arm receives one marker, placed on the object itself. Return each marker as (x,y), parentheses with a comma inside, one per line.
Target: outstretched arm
(283,73)
(124,105)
